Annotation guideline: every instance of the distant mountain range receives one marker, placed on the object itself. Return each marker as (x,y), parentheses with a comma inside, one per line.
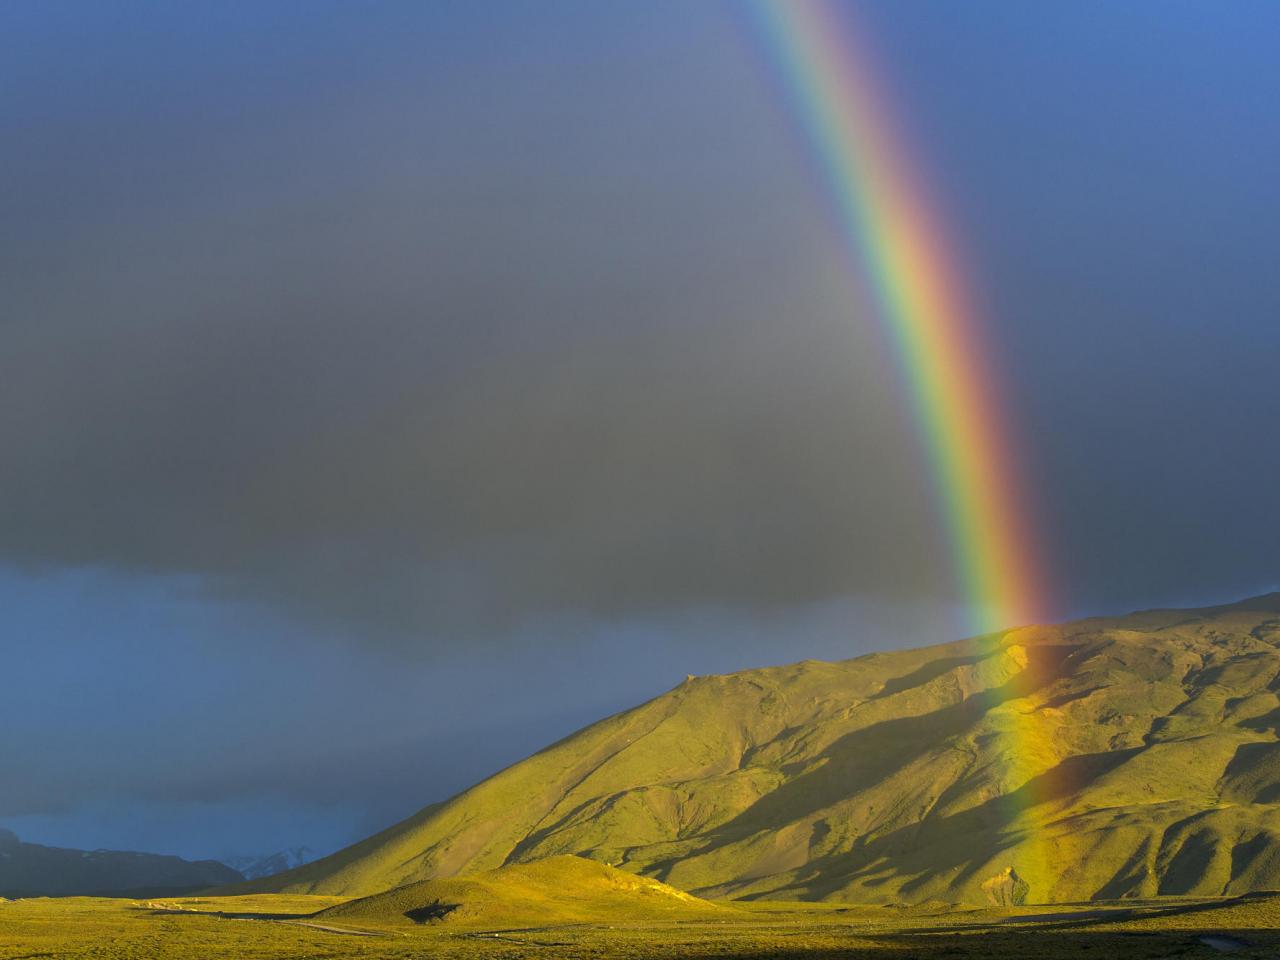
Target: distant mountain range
(257,867)
(1125,757)
(32,870)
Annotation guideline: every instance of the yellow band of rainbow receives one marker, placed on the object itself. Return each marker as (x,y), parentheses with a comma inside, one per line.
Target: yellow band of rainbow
(901,248)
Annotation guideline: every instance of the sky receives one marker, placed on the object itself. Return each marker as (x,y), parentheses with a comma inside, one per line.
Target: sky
(389,389)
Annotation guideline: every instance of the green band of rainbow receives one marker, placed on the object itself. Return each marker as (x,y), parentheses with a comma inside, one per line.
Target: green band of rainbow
(901,248)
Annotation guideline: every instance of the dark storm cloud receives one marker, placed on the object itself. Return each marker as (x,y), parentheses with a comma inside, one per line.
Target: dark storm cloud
(435,346)
(444,317)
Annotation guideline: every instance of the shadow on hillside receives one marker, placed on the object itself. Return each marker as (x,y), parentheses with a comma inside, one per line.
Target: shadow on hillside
(432,912)
(867,756)
(930,671)
(961,842)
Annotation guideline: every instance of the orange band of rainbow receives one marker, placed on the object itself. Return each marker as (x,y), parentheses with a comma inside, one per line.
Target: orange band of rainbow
(902,249)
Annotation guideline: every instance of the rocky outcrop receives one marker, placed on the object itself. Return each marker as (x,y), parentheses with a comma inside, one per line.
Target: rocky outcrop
(1006,889)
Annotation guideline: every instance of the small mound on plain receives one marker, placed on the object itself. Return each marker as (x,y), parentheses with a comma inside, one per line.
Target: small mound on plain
(550,892)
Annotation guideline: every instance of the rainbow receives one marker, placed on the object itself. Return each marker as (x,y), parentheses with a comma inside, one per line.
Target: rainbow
(900,246)
(902,249)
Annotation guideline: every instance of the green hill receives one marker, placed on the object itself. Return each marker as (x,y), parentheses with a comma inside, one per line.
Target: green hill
(1134,756)
(554,891)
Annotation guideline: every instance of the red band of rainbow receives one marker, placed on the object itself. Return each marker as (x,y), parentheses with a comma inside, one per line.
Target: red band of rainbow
(902,249)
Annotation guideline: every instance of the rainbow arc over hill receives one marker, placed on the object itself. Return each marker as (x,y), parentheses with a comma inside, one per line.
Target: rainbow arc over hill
(901,247)
(881,205)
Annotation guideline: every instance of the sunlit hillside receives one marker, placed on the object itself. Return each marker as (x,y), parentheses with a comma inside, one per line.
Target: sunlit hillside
(557,890)
(1127,757)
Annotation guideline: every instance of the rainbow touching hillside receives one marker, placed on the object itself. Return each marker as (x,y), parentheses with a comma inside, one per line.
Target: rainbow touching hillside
(898,242)
(904,777)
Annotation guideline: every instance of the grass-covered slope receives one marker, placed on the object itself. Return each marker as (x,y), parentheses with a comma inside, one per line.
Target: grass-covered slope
(1135,756)
(555,891)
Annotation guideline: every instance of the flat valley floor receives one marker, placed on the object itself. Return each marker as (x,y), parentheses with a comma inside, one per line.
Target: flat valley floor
(278,926)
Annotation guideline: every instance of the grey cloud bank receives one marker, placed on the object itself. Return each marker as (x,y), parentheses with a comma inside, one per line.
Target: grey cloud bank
(348,352)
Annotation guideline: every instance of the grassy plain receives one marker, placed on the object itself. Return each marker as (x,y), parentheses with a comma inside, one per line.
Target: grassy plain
(271,926)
